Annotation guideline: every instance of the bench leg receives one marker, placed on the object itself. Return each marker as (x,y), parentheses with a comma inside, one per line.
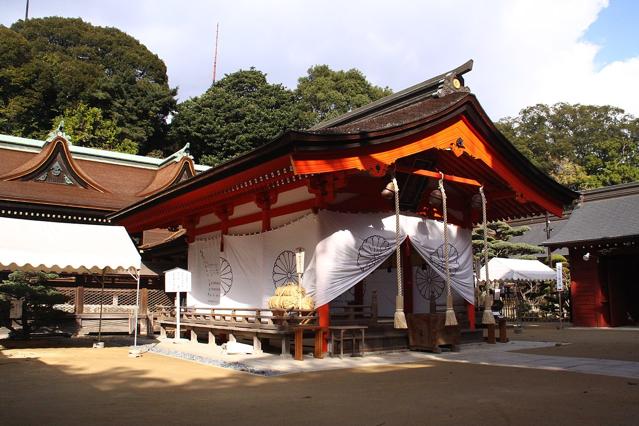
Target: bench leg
(193,336)
(213,345)
(299,340)
(286,347)
(257,345)
(319,341)
(231,337)
(491,334)
(162,332)
(503,335)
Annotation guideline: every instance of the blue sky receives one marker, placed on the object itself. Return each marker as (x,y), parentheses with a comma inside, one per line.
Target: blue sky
(525,51)
(616,30)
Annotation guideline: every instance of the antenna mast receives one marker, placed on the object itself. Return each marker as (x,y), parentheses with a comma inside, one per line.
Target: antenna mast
(217,31)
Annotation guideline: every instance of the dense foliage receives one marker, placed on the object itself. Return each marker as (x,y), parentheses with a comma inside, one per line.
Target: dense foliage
(37,297)
(240,112)
(243,110)
(51,66)
(582,146)
(325,94)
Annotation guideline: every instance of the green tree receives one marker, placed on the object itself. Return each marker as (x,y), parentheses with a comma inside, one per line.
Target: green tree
(324,93)
(86,127)
(582,146)
(240,112)
(499,244)
(51,65)
(37,297)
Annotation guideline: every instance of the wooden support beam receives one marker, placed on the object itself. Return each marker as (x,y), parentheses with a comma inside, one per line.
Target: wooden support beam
(437,175)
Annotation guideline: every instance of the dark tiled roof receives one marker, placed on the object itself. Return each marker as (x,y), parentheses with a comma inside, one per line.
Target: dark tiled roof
(436,86)
(400,117)
(537,233)
(601,219)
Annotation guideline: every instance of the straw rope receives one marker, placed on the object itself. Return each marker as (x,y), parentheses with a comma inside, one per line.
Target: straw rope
(451,320)
(487,316)
(399,318)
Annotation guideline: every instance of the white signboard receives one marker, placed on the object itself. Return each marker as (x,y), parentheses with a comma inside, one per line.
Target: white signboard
(177,280)
(560,277)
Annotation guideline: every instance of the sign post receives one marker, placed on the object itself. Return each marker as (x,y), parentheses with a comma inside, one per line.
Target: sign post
(177,280)
(560,289)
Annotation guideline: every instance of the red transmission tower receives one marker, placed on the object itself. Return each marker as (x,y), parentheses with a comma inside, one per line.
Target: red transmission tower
(217,31)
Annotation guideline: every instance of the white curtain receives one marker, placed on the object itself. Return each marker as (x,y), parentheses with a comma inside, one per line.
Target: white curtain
(262,262)
(354,246)
(341,250)
(427,237)
(204,264)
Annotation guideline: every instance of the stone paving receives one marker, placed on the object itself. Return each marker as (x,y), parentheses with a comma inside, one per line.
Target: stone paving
(500,354)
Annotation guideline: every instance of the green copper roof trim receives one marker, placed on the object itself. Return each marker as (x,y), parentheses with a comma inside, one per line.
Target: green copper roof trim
(33,145)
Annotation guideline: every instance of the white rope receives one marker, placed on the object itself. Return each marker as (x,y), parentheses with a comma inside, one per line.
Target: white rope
(487,316)
(451,320)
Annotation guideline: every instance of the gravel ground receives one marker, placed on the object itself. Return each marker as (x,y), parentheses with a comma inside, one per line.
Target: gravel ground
(611,343)
(46,383)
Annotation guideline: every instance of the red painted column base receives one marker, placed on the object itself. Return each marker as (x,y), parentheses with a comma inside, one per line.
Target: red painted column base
(324,321)
(470,309)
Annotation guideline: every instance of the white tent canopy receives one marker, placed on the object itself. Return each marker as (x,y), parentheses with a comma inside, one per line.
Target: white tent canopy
(516,269)
(31,245)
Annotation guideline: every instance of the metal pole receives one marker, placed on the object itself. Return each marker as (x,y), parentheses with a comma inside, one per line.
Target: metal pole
(137,309)
(26,12)
(561,311)
(177,317)
(101,303)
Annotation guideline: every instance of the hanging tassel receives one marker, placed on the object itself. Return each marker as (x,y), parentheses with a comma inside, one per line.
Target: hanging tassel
(487,317)
(399,319)
(451,319)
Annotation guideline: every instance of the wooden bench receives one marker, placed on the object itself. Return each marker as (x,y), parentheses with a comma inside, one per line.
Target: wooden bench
(299,341)
(251,323)
(352,329)
(111,322)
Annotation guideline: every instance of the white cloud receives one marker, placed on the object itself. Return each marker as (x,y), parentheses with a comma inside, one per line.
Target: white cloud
(525,51)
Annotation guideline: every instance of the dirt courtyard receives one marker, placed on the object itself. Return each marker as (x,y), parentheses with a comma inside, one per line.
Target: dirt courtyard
(76,385)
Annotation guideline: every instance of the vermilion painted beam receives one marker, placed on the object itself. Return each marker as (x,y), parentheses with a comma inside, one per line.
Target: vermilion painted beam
(437,175)
(257,217)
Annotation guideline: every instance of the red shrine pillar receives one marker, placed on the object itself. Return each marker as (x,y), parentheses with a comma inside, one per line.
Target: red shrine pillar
(324,321)
(470,309)
(407,275)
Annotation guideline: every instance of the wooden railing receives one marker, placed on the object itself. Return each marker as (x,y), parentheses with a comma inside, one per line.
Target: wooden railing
(258,318)
(356,313)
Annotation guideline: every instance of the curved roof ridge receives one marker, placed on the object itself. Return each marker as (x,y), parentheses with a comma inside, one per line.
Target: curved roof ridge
(45,156)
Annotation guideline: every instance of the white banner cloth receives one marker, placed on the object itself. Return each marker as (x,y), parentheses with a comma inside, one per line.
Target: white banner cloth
(262,262)
(354,245)
(341,250)
(204,264)
(427,237)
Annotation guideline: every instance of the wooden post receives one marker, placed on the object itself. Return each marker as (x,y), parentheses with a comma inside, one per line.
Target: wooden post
(79,300)
(407,274)
(144,301)
(374,307)
(324,314)
(299,341)
(503,338)
(491,334)
(319,340)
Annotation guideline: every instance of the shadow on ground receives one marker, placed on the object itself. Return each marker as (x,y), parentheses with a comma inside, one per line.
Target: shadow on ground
(79,385)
